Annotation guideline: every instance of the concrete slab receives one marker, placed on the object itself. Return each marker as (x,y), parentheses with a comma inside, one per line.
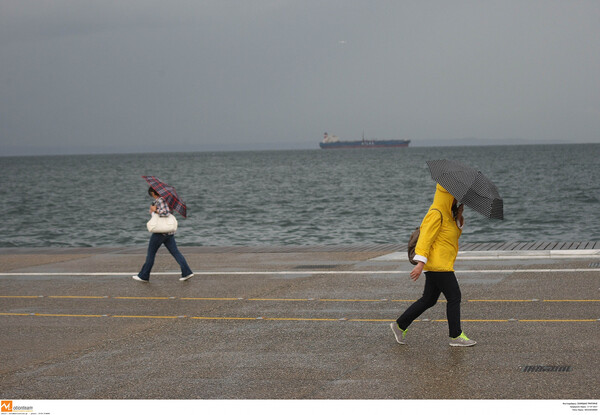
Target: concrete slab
(305,325)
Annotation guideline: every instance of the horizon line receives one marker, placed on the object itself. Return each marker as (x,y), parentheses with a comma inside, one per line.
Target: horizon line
(262,147)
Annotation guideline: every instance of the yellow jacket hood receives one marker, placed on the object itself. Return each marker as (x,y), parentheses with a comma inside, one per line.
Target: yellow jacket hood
(437,246)
(442,200)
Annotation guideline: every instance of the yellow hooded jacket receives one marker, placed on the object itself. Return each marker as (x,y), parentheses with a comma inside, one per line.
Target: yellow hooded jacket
(437,246)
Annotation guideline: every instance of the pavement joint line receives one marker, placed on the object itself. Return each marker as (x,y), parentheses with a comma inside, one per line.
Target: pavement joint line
(426,320)
(361,272)
(564,301)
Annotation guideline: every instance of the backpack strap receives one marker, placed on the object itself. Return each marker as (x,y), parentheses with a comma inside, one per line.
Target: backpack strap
(441,215)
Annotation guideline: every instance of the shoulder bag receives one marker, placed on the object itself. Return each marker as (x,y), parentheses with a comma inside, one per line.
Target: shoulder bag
(162,224)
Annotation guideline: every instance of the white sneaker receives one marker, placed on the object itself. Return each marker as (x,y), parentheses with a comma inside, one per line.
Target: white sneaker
(186,277)
(398,333)
(462,341)
(137,278)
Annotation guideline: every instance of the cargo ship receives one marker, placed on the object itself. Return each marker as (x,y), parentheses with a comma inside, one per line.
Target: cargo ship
(333,142)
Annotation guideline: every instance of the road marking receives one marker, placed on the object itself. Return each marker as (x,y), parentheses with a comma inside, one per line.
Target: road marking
(65,315)
(167,317)
(479,321)
(372,320)
(19,296)
(499,255)
(75,296)
(312,272)
(563,301)
(347,300)
(277,299)
(299,319)
(223,318)
(559,321)
(499,301)
(144,298)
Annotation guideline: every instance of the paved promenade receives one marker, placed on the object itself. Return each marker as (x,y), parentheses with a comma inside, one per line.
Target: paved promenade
(294,323)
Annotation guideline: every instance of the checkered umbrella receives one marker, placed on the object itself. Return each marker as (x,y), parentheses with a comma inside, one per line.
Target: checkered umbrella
(168,193)
(468,186)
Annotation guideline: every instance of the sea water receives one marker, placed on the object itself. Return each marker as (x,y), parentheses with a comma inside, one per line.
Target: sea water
(304,197)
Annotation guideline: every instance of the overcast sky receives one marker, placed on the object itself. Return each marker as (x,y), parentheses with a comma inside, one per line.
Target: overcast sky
(145,75)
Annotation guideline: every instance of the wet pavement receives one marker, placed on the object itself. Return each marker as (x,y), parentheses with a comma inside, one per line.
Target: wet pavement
(293,325)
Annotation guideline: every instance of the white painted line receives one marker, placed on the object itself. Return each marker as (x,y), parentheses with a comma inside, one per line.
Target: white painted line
(364,272)
(562,254)
(492,255)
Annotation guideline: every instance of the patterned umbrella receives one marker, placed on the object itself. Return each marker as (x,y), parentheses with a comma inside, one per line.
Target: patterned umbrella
(468,186)
(168,193)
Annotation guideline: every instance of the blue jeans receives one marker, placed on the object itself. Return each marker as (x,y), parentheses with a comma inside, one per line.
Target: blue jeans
(156,240)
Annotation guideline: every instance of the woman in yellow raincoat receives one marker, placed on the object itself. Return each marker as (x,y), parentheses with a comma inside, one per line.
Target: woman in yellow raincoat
(436,252)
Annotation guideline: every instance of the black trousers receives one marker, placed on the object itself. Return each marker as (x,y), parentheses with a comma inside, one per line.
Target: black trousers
(435,284)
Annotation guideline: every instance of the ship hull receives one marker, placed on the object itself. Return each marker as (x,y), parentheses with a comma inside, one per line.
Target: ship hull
(365,144)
